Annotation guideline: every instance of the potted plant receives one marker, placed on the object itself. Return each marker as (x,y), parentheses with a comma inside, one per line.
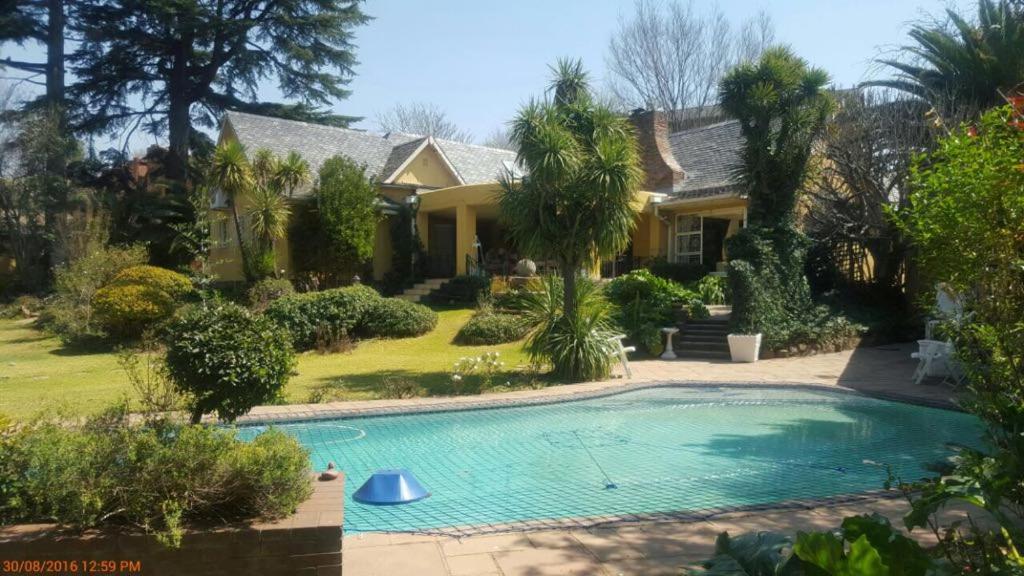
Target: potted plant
(744,347)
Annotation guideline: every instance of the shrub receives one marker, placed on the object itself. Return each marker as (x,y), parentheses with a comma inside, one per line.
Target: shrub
(577,347)
(394,318)
(111,472)
(267,290)
(489,327)
(394,387)
(676,272)
(173,284)
(24,306)
(69,313)
(467,289)
(126,310)
(338,309)
(226,360)
(137,298)
(646,303)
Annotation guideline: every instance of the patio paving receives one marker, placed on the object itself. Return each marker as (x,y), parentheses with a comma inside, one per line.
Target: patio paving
(649,548)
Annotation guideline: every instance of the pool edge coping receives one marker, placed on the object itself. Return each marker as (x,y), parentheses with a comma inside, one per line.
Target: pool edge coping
(443,404)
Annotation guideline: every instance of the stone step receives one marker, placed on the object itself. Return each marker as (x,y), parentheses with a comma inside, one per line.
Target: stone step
(409,297)
(705,332)
(703,339)
(703,354)
(418,291)
(706,346)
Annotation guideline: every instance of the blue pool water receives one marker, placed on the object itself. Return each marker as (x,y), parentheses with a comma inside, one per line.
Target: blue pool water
(664,449)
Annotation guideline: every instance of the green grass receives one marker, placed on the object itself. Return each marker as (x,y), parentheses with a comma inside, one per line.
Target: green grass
(38,373)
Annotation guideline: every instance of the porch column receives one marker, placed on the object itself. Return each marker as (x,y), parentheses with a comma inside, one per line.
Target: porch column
(423,227)
(465,232)
(654,236)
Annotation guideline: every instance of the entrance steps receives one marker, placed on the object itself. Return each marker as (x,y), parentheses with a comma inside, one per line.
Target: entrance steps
(704,339)
(418,291)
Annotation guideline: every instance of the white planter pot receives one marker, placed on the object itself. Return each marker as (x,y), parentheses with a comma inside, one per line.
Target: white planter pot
(744,347)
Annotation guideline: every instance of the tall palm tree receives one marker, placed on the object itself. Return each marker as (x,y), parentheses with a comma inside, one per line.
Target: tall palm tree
(964,67)
(231,173)
(265,165)
(292,172)
(583,167)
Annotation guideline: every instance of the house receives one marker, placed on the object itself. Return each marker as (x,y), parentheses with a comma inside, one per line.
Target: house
(688,204)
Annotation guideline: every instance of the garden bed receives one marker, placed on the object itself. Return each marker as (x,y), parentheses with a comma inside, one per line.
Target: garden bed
(307,541)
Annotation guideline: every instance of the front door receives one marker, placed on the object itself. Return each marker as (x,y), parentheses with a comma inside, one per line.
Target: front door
(441,249)
(715,230)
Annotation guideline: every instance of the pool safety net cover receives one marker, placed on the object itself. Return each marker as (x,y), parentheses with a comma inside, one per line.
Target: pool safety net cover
(657,450)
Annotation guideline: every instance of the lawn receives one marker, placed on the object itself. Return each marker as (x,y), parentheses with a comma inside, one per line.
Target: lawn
(37,373)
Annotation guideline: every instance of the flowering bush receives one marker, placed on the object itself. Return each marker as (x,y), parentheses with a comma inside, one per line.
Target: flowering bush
(478,370)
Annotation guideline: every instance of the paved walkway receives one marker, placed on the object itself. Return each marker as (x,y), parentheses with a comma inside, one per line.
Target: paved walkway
(644,548)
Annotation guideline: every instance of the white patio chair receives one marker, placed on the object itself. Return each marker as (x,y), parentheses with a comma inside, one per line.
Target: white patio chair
(931,355)
(619,350)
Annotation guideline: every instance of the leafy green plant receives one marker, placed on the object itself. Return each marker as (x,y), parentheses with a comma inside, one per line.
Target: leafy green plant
(477,372)
(394,318)
(490,327)
(647,303)
(676,271)
(863,546)
(576,344)
(138,298)
(172,283)
(713,290)
(399,388)
(226,360)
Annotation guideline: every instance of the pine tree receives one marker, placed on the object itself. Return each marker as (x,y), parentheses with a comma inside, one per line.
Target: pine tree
(168,65)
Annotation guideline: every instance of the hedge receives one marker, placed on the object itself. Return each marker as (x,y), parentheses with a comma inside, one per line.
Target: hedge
(488,327)
(394,318)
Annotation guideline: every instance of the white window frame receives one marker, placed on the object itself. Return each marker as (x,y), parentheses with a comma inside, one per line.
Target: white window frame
(683,257)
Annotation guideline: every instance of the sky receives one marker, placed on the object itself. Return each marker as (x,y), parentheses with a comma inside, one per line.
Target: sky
(480,60)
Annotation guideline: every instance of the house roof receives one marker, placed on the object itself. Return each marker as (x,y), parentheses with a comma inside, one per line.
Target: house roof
(709,156)
(382,154)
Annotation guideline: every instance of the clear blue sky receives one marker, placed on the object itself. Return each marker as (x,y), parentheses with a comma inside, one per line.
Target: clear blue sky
(479,60)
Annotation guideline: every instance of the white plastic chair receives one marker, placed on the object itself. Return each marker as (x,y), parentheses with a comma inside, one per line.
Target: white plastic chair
(619,350)
(931,355)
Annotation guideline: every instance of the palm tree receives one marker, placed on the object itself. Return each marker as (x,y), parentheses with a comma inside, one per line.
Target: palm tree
(583,168)
(292,172)
(573,207)
(231,173)
(964,68)
(782,108)
(268,212)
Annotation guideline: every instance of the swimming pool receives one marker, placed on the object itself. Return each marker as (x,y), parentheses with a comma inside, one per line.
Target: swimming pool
(663,449)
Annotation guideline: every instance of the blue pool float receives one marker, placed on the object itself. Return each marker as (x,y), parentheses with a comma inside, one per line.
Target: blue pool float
(386,487)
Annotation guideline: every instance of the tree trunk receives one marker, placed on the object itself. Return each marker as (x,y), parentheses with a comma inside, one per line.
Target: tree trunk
(246,268)
(197,415)
(55,54)
(179,124)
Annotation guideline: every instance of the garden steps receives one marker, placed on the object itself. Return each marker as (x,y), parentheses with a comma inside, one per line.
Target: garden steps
(706,338)
(422,289)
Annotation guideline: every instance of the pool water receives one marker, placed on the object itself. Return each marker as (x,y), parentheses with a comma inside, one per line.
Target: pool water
(646,451)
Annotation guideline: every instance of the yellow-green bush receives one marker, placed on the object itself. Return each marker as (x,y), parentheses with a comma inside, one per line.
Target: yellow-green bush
(137,298)
(172,283)
(128,309)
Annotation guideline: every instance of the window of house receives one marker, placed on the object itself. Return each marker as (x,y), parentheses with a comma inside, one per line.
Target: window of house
(689,236)
(221,234)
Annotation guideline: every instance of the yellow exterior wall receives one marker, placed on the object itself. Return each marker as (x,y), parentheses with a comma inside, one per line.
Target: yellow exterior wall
(429,170)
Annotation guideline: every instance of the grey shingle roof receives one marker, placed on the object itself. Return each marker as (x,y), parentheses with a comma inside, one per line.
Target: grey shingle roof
(708,156)
(381,154)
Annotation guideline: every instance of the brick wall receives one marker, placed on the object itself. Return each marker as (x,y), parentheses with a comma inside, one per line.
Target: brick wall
(661,171)
(307,543)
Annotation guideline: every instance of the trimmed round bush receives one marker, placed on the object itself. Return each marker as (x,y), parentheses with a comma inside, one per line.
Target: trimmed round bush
(265,291)
(394,318)
(227,360)
(137,298)
(126,310)
(492,328)
(340,310)
(175,285)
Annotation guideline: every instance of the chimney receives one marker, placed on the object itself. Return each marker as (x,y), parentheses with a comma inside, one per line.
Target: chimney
(661,170)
